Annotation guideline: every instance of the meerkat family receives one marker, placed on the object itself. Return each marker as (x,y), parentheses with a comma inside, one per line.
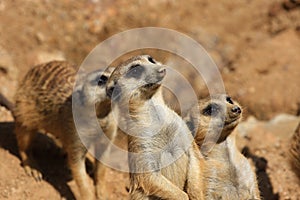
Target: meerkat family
(170,157)
(43,102)
(227,173)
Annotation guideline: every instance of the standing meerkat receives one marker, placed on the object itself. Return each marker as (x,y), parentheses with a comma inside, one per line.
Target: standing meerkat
(227,173)
(43,101)
(295,151)
(164,161)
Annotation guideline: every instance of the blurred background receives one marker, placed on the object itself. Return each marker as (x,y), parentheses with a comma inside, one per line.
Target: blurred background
(255,44)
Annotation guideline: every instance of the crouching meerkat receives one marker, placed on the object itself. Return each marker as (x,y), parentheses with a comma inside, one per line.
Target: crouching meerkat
(164,161)
(295,151)
(227,173)
(43,102)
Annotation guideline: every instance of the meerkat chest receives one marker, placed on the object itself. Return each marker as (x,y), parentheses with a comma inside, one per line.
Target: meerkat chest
(162,142)
(228,174)
(176,171)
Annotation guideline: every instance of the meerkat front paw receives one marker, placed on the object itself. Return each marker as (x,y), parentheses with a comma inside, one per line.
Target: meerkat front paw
(31,169)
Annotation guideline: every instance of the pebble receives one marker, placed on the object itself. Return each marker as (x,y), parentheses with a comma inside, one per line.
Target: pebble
(40,37)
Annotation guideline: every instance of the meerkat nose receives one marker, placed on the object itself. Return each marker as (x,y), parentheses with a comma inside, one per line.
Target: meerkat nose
(236,109)
(162,71)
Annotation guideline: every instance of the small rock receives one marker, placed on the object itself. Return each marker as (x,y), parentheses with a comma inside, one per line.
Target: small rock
(281,118)
(277,145)
(40,37)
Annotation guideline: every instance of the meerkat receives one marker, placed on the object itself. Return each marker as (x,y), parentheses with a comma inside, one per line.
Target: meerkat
(227,173)
(295,151)
(164,161)
(43,102)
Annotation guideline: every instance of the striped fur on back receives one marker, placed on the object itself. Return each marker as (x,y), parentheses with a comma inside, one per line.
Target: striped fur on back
(43,92)
(295,150)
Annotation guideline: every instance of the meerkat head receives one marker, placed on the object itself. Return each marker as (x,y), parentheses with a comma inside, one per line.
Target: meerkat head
(218,114)
(93,91)
(137,78)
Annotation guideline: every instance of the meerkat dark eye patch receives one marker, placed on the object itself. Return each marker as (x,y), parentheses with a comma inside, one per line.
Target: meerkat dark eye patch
(150,59)
(135,71)
(211,110)
(229,100)
(109,91)
(114,91)
(102,80)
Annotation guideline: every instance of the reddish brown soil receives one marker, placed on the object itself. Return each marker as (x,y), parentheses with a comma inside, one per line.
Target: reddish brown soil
(255,44)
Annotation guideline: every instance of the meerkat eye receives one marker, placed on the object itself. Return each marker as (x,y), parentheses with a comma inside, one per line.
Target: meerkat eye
(150,59)
(135,71)
(211,110)
(229,100)
(102,80)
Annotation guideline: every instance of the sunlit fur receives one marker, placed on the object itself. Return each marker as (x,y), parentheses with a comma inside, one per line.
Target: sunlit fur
(227,173)
(152,126)
(43,102)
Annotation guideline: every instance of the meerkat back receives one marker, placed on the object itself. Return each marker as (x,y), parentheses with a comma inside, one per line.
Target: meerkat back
(295,150)
(42,93)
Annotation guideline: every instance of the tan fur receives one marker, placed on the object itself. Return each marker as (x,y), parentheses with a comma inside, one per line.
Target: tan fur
(295,150)
(227,173)
(44,102)
(6,103)
(156,135)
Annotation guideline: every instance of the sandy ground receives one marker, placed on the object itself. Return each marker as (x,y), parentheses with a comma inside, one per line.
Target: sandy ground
(255,44)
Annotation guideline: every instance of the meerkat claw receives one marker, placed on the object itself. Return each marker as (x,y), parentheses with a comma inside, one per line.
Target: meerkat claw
(34,173)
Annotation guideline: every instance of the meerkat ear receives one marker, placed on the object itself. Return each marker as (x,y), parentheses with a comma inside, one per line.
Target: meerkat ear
(110,90)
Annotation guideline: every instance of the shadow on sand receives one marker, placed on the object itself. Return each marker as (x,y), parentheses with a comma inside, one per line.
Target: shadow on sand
(51,161)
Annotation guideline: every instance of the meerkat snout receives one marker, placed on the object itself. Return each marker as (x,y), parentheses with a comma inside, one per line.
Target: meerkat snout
(160,74)
(236,110)
(162,71)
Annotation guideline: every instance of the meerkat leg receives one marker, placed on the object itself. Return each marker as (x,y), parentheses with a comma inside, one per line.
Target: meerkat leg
(194,186)
(24,139)
(99,182)
(102,153)
(76,159)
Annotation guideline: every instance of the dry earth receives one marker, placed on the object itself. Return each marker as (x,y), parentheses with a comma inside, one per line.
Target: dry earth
(255,44)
